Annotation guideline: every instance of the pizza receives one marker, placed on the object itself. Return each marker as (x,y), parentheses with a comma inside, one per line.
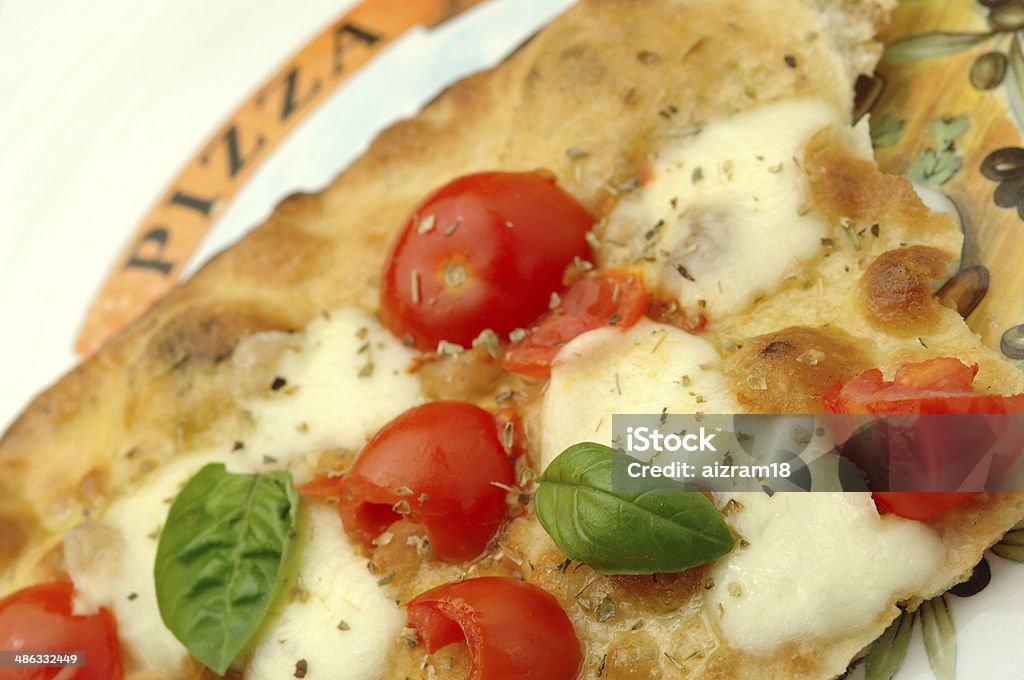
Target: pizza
(342,448)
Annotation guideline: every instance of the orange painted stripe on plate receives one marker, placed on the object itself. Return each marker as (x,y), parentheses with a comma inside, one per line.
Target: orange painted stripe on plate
(168,236)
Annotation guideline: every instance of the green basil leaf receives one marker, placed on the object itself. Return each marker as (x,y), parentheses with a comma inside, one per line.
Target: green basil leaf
(662,527)
(220,558)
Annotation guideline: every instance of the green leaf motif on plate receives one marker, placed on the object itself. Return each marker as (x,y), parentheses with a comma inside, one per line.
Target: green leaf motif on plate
(886,133)
(220,558)
(936,166)
(939,635)
(662,527)
(1011,546)
(929,45)
(1015,83)
(888,652)
(945,130)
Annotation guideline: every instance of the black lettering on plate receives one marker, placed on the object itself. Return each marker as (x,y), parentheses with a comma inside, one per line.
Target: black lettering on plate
(201,205)
(232,143)
(149,252)
(292,101)
(346,36)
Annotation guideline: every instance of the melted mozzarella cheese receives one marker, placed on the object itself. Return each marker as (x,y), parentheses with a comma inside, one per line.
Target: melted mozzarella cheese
(333,401)
(817,566)
(607,371)
(345,377)
(123,582)
(726,215)
(329,611)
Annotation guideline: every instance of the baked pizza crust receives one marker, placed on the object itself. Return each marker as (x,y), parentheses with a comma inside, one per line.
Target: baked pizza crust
(588,99)
(599,79)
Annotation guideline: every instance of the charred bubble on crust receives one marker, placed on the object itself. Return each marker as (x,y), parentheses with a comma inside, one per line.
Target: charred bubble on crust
(847,188)
(896,290)
(201,336)
(171,379)
(781,372)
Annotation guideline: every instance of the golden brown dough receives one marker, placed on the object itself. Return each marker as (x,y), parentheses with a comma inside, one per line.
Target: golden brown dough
(608,79)
(896,292)
(781,372)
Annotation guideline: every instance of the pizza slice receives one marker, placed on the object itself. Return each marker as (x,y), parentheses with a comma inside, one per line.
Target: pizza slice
(320,456)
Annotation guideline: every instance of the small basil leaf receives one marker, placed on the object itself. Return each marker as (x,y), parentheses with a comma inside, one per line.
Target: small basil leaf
(220,558)
(662,527)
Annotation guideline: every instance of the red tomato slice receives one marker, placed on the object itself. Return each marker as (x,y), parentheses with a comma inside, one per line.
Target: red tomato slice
(942,385)
(483,251)
(920,506)
(943,374)
(937,386)
(611,298)
(438,465)
(513,629)
(39,619)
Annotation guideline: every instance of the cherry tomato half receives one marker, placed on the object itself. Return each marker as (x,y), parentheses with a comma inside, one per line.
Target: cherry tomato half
(39,619)
(483,251)
(937,386)
(920,506)
(438,465)
(513,629)
(611,298)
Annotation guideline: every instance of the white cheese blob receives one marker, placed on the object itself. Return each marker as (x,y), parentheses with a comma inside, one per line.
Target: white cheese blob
(124,581)
(645,369)
(330,400)
(817,566)
(346,377)
(726,216)
(330,612)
